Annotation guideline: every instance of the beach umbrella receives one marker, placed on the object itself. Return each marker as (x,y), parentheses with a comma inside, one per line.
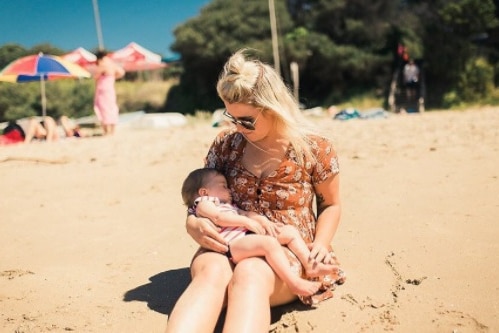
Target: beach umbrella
(41,67)
(82,57)
(134,57)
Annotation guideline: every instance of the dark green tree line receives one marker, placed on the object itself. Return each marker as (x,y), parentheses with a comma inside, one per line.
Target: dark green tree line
(343,48)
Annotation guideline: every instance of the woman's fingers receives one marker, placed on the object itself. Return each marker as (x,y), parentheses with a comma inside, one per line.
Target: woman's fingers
(207,235)
(319,253)
(215,244)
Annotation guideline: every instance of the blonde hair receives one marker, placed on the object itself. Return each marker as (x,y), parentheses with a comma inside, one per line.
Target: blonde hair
(250,81)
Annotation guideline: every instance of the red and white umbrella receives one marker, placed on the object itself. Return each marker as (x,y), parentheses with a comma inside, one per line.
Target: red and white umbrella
(82,57)
(134,57)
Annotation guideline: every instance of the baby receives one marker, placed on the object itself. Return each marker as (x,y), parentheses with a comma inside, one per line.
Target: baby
(248,234)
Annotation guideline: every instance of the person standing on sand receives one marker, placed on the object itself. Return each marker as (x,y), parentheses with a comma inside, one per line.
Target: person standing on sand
(105,102)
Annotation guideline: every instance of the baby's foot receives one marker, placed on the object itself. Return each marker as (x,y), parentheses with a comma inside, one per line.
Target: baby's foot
(303,287)
(314,269)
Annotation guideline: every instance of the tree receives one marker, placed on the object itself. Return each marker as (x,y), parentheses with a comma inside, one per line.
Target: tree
(206,42)
(448,35)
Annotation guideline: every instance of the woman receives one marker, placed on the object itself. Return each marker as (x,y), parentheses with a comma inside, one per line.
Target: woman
(105,104)
(275,165)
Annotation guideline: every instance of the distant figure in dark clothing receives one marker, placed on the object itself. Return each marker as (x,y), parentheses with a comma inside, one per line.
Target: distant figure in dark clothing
(411,79)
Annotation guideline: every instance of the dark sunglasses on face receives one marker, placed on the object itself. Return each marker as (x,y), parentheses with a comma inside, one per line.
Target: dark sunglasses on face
(247,124)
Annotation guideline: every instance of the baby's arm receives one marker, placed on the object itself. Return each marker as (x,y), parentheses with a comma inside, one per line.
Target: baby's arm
(227,219)
(262,220)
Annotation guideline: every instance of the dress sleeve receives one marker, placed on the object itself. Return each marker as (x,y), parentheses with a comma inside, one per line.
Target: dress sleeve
(217,151)
(326,160)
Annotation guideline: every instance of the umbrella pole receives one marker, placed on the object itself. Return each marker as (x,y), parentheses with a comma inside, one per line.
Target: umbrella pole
(44,99)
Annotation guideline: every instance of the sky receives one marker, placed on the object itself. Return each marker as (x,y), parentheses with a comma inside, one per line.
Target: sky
(69,24)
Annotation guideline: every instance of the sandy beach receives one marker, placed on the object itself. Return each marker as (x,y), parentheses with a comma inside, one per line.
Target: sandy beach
(92,235)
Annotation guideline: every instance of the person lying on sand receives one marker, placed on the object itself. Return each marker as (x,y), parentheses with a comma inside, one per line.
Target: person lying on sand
(29,129)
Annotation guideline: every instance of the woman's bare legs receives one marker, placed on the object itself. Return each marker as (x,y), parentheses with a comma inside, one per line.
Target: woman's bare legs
(34,130)
(199,307)
(108,129)
(253,289)
(269,247)
(51,127)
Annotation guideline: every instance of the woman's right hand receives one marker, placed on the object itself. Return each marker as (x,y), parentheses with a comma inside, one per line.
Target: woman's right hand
(205,233)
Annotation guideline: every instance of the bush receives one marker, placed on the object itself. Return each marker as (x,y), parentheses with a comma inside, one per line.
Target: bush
(476,82)
(74,98)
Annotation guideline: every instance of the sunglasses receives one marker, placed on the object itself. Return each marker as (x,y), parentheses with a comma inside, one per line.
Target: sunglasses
(248,124)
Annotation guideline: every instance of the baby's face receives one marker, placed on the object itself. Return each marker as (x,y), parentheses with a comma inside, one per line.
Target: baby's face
(217,187)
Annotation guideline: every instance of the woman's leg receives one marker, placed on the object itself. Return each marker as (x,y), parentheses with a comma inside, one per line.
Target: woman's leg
(253,289)
(34,130)
(199,307)
(51,127)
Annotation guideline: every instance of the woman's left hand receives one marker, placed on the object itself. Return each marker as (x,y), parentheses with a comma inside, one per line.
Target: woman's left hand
(322,254)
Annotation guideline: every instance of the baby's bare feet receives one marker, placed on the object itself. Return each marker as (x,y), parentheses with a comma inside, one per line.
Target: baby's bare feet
(303,287)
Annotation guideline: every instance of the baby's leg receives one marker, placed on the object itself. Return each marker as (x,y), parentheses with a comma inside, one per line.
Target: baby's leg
(269,247)
(289,236)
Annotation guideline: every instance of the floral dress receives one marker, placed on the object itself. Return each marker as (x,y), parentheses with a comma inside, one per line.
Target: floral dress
(286,195)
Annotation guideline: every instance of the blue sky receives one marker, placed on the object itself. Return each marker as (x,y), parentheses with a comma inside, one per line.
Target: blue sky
(68,24)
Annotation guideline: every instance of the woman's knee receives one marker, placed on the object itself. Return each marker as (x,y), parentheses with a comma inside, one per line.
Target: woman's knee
(212,268)
(253,273)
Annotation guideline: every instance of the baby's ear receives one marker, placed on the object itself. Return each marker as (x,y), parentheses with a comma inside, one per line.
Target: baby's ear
(203,191)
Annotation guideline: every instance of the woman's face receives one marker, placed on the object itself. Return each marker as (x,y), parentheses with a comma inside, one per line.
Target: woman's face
(258,125)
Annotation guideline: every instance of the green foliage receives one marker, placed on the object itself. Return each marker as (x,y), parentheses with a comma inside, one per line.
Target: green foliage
(73,98)
(343,48)
(476,83)
(206,41)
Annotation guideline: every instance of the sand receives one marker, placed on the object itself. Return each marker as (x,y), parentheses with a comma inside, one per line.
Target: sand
(92,235)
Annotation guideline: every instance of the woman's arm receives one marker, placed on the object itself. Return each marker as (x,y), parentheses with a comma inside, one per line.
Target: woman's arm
(119,72)
(205,233)
(328,218)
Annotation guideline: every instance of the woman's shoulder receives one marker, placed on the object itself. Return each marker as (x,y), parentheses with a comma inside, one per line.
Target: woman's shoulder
(320,141)
(228,135)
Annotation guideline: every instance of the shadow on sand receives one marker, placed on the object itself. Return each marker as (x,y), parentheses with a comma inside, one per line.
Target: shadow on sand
(164,289)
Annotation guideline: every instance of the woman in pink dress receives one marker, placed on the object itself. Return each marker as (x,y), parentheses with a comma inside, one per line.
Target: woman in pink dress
(105,104)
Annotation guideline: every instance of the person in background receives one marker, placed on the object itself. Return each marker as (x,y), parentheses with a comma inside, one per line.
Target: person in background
(411,79)
(105,100)
(29,129)
(276,164)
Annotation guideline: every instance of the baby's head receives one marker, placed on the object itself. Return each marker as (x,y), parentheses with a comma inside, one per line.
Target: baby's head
(205,182)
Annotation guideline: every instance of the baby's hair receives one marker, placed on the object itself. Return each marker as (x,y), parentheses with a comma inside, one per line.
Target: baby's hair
(193,182)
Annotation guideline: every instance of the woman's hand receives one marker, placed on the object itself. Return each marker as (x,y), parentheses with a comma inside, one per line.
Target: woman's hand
(205,233)
(256,227)
(322,254)
(266,226)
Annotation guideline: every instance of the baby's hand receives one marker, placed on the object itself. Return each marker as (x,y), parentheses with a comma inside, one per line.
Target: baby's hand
(256,227)
(266,224)
(276,228)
